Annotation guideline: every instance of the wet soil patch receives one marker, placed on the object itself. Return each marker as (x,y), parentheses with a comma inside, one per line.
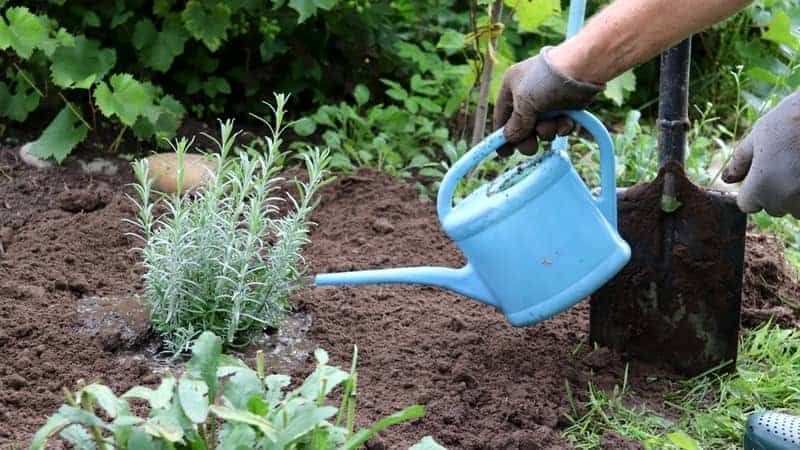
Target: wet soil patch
(486,385)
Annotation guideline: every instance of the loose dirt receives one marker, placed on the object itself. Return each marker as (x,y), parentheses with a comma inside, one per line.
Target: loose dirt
(485,384)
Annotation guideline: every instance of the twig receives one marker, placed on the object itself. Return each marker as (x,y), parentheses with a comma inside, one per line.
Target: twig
(482,108)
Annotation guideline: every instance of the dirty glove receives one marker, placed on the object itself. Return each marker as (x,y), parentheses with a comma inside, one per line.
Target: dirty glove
(530,88)
(768,160)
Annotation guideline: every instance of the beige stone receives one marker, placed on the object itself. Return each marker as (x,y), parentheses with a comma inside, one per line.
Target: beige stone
(163,170)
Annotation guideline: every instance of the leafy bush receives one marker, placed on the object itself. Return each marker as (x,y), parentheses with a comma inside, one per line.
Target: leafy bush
(253,408)
(224,259)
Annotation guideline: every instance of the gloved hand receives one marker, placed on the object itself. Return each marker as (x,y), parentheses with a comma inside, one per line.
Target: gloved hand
(768,160)
(532,87)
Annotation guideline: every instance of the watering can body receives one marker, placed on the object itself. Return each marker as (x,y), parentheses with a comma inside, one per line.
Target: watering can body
(537,241)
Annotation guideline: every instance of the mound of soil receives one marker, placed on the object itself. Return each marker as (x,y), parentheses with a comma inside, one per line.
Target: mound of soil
(485,384)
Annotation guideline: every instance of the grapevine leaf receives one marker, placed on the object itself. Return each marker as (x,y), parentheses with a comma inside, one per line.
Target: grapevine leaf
(161,120)
(533,13)
(451,41)
(91,19)
(779,30)
(309,8)
(17,101)
(618,88)
(158,49)
(207,23)
(126,98)
(24,32)
(63,37)
(361,94)
(59,138)
(79,66)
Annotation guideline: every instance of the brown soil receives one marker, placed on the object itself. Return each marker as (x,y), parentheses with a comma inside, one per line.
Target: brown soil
(485,384)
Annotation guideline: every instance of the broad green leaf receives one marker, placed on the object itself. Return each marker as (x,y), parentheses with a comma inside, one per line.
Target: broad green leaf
(204,362)
(305,127)
(158,49)
(275,384)
(323,376)
(532,13)
(80,65)
(80,417)
(161,120)
(305,418)
(241,387)
(427,443)
(166,424)
(244,417)
(78,437)
(54,425)
(104,395)
(193,395)
(235,436)
(619,88)
(216,85)
(91,19)
(207,22)
(451,41)
(159,398)
(62,38)
(24,32)
(59,138)
(683,441)
(363,435)
(779,30)
(309,8)
(361,94)
(18,101)
(126,98)
(140,440)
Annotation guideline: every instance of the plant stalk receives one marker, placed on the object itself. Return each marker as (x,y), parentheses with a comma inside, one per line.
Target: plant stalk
(482,108)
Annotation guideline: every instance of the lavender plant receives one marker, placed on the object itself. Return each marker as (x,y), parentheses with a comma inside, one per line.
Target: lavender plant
(224,259)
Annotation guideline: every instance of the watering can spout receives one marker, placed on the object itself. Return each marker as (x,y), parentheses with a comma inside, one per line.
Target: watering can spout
(463,281)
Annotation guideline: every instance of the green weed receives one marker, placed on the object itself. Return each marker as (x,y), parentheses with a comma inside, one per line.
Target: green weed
(711,409)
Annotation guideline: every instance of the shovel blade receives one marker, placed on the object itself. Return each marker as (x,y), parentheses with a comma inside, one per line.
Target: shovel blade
(678,300)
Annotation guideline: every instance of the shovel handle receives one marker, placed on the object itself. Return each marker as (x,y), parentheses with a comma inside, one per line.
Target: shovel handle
(607,201)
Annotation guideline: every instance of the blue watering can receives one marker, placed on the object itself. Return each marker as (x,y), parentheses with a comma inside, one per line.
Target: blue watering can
(536,240)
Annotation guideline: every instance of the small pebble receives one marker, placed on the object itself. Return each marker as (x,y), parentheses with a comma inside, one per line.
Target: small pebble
(382,225)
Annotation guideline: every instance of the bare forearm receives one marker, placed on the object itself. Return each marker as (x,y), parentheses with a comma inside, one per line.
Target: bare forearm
(629,32)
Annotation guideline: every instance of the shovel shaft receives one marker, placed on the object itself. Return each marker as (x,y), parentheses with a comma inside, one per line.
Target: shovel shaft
(673,106)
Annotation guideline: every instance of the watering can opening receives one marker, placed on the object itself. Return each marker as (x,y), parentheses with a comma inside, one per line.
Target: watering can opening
(536,240)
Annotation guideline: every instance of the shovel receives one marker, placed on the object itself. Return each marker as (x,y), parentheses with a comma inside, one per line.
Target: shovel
(678,300)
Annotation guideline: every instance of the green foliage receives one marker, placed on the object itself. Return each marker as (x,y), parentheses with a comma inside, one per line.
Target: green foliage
(60,137)
(222,259)
(710,411)
(252,409)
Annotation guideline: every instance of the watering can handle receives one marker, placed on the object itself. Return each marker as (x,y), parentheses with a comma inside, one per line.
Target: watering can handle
(607,200)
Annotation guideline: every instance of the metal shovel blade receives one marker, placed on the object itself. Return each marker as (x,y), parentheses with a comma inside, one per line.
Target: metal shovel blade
(678,300)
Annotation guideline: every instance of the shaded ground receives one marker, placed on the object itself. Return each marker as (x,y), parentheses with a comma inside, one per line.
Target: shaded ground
(486,385)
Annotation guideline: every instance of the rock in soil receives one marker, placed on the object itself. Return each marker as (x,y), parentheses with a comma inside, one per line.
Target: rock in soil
(116,323)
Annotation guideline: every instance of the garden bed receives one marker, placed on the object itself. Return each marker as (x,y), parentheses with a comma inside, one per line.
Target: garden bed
(484,383)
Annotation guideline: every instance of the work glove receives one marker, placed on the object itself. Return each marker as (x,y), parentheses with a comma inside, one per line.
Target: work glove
(533,87)
(768,160)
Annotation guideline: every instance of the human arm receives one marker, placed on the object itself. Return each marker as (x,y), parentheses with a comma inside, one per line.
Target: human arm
(568,76)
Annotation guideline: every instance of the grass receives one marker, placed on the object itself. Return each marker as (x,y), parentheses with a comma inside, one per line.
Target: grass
(712,409)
